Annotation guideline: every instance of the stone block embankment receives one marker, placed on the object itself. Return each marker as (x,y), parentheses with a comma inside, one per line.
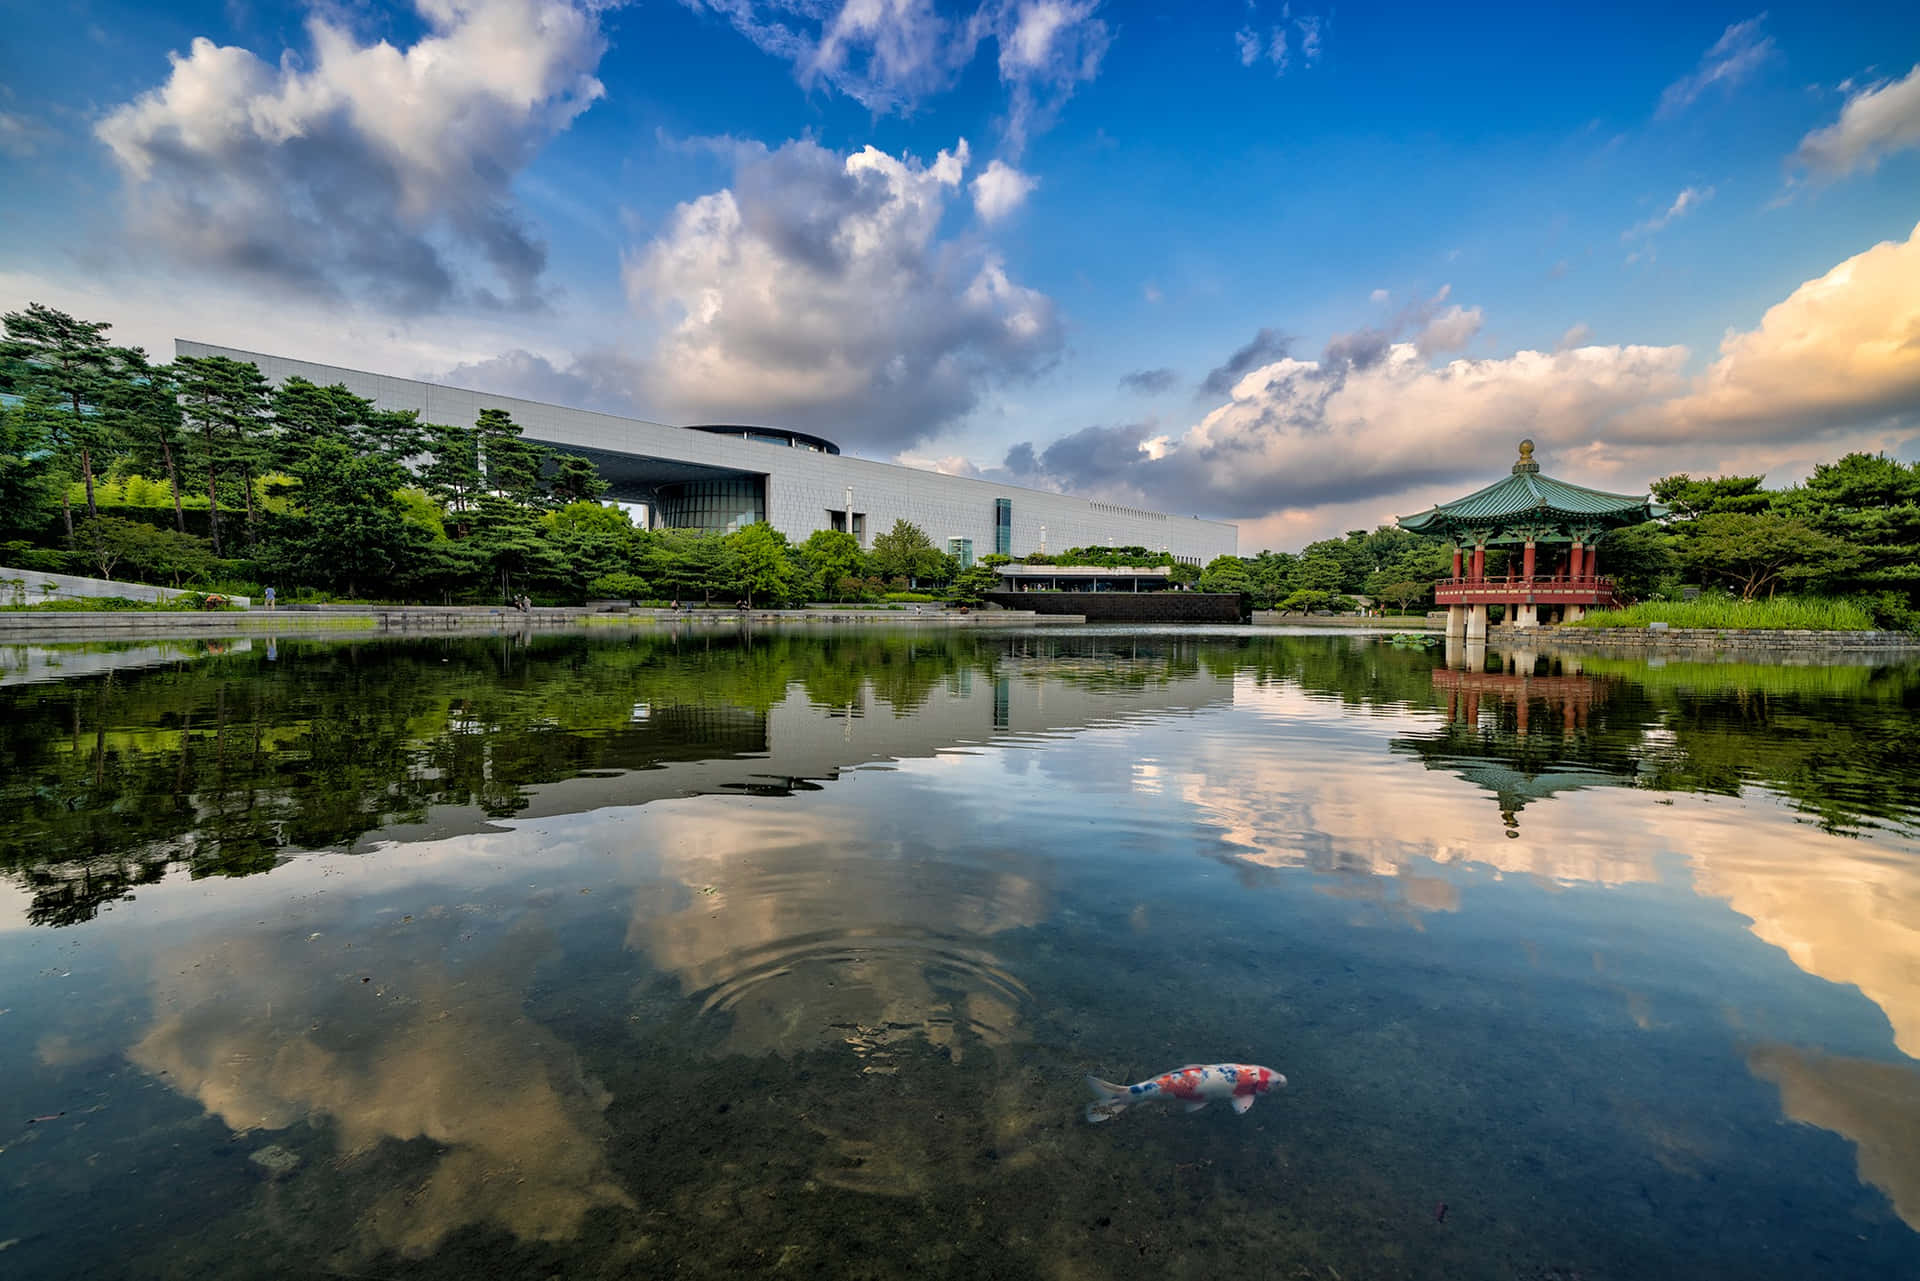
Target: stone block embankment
(417,619)
(1703,639)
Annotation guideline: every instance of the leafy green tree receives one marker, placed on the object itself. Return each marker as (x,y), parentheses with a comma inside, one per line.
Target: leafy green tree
(226,403)
(512,463)
(108,540)
(905,551)
(510,541)
(30,479)
(70,363)
(577,480)
(1347,555)
(1306,599)
(452,473)
(686,562)
(354,535)
(832,558)
(628,587)
(761,564)
(1640,559)
(144,405)
(1226,574)
(1320,573)
(1693,499)
(1758,553)
(972,584)
(1873,503)
(1402,592)
(592,541)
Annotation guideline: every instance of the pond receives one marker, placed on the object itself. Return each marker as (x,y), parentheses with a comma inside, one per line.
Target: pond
(791,952)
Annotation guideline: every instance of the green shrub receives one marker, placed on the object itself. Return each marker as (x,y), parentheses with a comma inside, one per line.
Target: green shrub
(627,587)
(908,598)
(1715,610)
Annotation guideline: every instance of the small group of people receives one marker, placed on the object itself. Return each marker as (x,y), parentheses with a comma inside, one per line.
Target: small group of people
(523,603)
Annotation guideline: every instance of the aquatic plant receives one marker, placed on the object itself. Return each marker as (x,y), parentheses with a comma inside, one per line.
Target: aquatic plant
(1783,613)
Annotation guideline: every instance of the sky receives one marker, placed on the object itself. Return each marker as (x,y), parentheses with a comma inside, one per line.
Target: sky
(1304,267)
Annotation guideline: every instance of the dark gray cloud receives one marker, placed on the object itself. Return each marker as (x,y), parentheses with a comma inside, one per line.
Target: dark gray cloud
(1149,382)
(1266,347)
(307,175)
(599,381)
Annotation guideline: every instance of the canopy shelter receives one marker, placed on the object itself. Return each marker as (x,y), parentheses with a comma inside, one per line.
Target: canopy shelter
(1555,526)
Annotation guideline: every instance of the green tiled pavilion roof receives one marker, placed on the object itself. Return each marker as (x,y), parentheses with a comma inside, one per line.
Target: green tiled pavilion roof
(1527,497)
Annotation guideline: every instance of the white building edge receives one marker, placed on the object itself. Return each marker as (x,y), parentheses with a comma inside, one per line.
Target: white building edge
(723,477)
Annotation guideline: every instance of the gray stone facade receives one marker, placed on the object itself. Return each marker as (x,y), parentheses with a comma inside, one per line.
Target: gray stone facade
(803,488)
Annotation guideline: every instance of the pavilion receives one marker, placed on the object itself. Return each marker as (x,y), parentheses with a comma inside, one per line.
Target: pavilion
(1555,527)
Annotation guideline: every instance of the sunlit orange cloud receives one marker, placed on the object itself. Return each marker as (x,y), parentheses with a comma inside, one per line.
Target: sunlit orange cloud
(1842,908)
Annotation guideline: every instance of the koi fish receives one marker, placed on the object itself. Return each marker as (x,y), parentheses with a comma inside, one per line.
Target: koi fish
(1196,1085)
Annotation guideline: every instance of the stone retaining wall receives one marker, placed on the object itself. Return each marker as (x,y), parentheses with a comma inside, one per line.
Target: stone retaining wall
(404,619)
(33,587)
(1388,622)
(1701,638)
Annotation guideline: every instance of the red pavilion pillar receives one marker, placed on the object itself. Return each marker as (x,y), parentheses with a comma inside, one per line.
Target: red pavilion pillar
(1573,559)
(1479,561)
(1456,560)
(1526,561)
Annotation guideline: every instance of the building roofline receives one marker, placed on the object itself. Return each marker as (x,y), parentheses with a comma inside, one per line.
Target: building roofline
(652,422)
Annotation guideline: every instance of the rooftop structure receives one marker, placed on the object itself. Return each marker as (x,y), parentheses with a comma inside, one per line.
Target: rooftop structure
(723,477)
(1556,528)
(1084,578)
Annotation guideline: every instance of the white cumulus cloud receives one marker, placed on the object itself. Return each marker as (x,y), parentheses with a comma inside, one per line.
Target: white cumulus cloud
(889,54)
(817,291)
(1841,350)
(363,168)
(1000,189)
(1876,121)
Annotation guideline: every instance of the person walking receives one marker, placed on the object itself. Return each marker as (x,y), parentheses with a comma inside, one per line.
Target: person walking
(269,598)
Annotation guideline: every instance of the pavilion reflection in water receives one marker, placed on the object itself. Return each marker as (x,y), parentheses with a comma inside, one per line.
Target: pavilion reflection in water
(1525,726)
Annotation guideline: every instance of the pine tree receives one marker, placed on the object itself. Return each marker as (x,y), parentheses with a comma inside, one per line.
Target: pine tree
(70,360)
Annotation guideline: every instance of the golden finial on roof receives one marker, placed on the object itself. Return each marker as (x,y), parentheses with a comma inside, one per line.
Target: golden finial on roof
(1526,463)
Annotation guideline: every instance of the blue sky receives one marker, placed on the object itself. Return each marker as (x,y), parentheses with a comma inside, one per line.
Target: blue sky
(1298,266)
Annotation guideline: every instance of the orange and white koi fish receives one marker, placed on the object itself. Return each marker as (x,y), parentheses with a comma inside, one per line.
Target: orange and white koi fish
(1195,1085)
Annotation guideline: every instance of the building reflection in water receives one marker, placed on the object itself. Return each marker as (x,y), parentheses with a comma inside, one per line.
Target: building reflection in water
(1522,727)
(792,931)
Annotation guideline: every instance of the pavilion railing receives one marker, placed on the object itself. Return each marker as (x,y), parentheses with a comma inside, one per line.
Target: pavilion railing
(1539,582)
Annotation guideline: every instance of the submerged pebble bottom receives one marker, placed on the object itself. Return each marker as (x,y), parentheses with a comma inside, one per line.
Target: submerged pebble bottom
(789,955)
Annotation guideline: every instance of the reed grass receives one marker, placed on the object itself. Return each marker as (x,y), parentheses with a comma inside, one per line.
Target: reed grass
(1781,613)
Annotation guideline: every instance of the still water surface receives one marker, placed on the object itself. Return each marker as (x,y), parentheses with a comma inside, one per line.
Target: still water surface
(788,953)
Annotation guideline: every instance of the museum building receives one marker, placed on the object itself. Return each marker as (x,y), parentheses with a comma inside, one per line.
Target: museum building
(723,477)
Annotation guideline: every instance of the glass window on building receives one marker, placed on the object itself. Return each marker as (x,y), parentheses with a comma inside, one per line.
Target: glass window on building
(961,549)
(1003,526)
(715,505)
(837,522)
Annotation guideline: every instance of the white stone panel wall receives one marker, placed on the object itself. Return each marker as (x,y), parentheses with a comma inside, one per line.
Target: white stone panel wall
(802,486)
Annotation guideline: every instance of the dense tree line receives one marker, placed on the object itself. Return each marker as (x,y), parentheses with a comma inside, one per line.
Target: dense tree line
(201,473)
(1851,529)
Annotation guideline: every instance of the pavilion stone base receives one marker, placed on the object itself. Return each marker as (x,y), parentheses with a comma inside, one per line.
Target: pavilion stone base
(1476,622)
(1526,615)
(1456,622)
